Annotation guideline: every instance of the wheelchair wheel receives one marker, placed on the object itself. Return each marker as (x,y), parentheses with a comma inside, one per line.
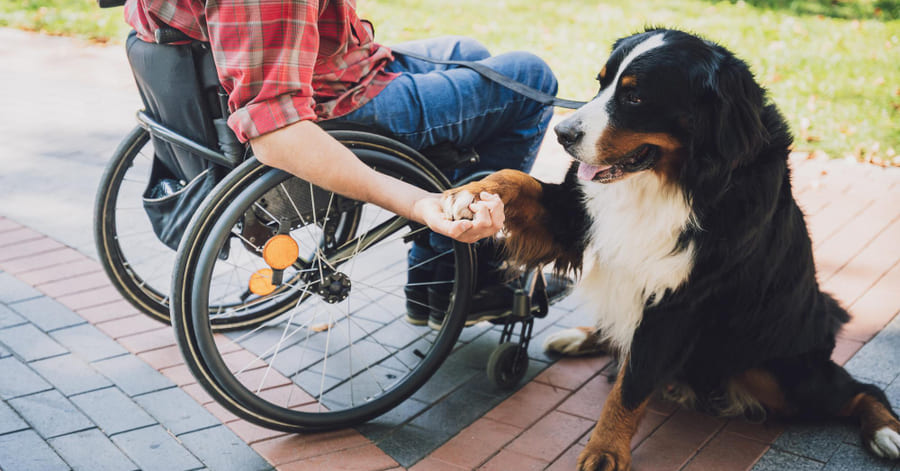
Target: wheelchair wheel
(507,365)
(338,350)
(137,263)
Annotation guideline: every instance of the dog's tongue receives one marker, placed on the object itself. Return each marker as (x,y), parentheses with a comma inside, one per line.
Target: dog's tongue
(588,172)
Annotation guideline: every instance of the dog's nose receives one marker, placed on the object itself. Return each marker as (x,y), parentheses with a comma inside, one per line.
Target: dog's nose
(568,133)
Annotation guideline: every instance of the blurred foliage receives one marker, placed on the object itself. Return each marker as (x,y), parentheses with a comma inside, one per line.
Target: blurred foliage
(831,66)
(848,9)
(80,18)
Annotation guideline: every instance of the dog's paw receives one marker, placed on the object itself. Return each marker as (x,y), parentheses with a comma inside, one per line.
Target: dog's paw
(597,458)
(576,341)
(567,342)
(456,205)
(886,443)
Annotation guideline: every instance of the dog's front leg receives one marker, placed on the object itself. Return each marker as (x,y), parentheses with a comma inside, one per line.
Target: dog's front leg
(519,191)
(609,448)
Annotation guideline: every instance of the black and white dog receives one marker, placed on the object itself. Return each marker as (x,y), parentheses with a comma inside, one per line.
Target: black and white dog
(691,249)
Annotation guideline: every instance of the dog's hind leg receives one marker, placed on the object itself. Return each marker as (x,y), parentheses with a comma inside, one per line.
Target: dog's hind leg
(879,425)
(817,389)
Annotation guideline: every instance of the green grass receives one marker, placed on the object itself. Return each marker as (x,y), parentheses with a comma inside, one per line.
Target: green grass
(80,18)
(832,66)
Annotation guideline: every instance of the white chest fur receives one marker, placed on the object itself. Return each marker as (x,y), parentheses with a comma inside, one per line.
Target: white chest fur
(631,256)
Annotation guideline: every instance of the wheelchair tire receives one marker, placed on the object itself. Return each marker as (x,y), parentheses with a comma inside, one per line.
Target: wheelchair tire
(341,352)
(136,262)
(138,265)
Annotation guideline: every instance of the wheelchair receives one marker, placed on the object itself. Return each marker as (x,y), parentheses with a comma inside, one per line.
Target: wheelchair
(286,300)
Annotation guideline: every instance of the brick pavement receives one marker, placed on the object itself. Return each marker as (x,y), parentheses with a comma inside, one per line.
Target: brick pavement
(83,370)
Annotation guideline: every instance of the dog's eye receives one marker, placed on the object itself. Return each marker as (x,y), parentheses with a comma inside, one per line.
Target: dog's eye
(631,98)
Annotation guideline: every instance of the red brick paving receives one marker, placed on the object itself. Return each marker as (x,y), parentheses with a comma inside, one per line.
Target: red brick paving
(727,451)
(41,260)
(60,271)
(854,215)
(476,443)
(364,458)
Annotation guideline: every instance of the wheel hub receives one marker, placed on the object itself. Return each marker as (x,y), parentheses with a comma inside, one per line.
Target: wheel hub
(334,287)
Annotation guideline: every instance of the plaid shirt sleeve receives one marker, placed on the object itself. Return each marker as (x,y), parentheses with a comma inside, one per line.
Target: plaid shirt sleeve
(281,61)
(265,52)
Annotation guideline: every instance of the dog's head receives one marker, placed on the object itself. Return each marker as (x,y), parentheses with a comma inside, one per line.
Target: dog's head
(670,103)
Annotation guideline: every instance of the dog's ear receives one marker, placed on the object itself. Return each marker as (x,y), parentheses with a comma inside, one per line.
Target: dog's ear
(737,130)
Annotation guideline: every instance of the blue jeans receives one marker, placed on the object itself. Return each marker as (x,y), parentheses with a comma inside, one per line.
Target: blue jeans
(431,104)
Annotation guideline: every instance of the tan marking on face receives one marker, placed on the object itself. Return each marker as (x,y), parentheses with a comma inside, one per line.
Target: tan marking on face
(614,144)
(629,81)
(602,74)
(668,164)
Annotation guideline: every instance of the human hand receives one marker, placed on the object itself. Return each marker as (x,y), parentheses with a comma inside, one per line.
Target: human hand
(486,220)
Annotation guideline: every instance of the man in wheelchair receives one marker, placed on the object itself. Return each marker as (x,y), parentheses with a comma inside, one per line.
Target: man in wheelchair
(287,65)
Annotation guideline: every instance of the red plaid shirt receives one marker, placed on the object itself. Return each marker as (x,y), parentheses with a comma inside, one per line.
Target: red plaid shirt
(281,61)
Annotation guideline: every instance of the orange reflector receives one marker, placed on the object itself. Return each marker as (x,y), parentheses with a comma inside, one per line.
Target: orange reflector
(261,282)
(281,251)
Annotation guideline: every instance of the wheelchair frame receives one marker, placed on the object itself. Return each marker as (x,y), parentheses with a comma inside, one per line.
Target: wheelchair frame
(506,366)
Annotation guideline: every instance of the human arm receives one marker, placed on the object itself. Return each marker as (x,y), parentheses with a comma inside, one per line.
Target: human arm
(305,150)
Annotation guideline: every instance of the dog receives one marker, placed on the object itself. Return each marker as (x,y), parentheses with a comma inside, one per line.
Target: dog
(677,215)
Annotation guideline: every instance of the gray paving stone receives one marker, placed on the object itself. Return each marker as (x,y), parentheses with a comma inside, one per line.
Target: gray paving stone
(153,449)
(476,353)
(451,375)
(407,444)
(574,301)
(398,334)
(470,333)
(581,316)
(132,375)
(29,343)
(220,449)
(9,318)
(447,417)
(853,458)
(47,314)
(776,460)
(817,441)
(12,289)
(50,414)
(176,411)
(18,379)
(70,375)
(10,420)
(877,359)
(112,410)
(4,352)
(39,455)
(91,450)
(893,394)
(88,342)
(383,425)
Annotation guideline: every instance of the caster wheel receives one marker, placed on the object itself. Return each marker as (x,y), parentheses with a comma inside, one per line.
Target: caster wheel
(507,365)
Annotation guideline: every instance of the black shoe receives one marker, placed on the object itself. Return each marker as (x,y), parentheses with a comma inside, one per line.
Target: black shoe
(428,291)
(417,311)
(496,301)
